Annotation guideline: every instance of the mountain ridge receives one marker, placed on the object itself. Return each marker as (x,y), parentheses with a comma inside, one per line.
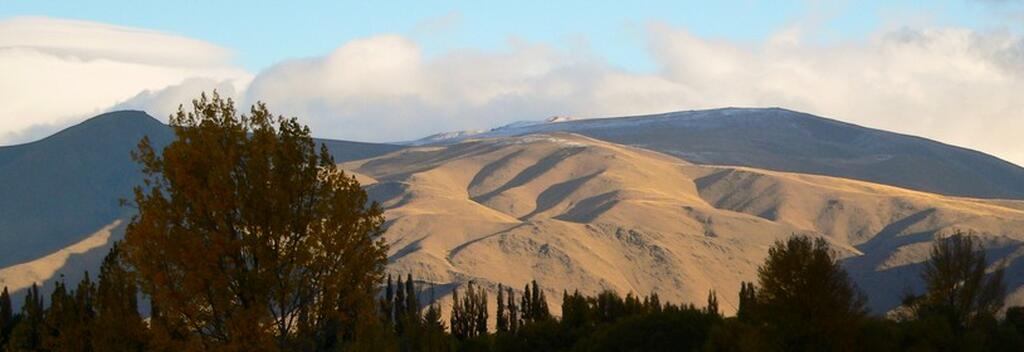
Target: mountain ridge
(786,140)
(80,173)
(580,213)
(571,210)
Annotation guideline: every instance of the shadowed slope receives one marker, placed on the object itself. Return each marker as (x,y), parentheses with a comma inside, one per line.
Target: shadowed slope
(57,191)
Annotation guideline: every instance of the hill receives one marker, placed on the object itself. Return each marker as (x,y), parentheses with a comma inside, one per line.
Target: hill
(785,140)
(578,213)
(66,188)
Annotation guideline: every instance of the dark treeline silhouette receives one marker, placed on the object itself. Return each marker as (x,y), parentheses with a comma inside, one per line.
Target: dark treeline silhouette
(802,301)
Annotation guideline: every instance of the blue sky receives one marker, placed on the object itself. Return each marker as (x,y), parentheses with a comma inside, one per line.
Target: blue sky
(262,33)
(950,70)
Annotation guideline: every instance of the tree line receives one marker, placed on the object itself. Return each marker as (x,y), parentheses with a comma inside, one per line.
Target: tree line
(802,301)
(247,237)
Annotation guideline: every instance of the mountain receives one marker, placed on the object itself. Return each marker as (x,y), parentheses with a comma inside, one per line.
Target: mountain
(578,213)
(785,140)
(572,210)
(66,188)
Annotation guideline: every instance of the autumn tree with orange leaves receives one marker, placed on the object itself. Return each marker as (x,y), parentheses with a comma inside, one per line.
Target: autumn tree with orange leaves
(248,238)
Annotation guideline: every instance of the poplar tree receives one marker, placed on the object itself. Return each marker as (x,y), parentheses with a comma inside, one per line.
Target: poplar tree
(513,312)
(748,302)
(27,335)
(6,317)
(118,326)
(501,316)
(712,307)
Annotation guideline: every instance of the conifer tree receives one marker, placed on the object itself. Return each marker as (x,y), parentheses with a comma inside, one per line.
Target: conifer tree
(481,311)
(411,321)
(457,316)
(748,302)
(57,318)
(539,309)
(399,304)
(501,316)
(27,335)
(387,305)
(118,325)
(6,317)
(66,325)
(434,336)
(469,313)
(412,302)
(654,302)
(513,312)
(712,307)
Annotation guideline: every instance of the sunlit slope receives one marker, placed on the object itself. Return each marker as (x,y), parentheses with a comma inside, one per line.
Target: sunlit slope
(574,212)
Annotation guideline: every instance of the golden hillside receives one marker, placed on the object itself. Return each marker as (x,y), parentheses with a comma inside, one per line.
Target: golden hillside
(577,213)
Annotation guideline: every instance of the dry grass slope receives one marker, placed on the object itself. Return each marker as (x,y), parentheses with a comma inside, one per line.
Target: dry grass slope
(578,213)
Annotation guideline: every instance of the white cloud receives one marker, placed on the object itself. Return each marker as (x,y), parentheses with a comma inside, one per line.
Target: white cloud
(57,72)
(953,85)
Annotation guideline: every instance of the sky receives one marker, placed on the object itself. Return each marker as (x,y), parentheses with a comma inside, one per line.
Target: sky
(389,71)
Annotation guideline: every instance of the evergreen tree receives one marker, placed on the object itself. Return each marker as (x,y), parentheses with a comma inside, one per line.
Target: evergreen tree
(481,312)
(457,317)
(712,307)
(66,324)
(412,301)
(501,316)
(249,238)
(399,304)
(27,335)
(539,310)
(434,337)
(118,327)
(654,303)
(748,302)
(6,317)
(387,303)
(469,313)
(412,321)
(513,312)
(526,305)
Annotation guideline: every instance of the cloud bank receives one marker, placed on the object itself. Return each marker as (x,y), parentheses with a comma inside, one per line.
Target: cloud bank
(951,84)
(58,72)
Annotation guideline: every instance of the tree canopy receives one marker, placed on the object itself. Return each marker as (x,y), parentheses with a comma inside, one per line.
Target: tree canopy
(248,237)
